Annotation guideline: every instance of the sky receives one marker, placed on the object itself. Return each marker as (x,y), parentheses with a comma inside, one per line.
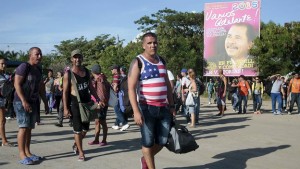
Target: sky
(45,23)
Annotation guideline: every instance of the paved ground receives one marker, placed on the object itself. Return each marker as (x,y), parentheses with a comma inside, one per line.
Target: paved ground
(232,142)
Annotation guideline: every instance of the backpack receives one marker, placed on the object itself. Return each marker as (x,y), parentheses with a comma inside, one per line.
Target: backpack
(124,98)
(8,88)
(200,86)
(268,87)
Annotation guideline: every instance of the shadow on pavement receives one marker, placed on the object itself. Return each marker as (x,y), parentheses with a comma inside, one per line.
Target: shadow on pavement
(3,163)
(112,148)
(195,133)
(236,159)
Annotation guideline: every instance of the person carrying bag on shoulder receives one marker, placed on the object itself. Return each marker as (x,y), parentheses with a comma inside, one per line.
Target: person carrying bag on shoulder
(77,87)
(191,98)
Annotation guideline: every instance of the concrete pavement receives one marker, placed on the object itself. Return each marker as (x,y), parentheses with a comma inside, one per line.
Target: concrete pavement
(231,142)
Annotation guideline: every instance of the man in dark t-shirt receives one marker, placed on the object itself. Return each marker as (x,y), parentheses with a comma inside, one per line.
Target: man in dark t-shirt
(26,101)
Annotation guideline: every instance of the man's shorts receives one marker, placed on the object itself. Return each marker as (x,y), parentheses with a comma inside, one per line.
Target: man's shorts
(78,126)
(156,125)
(26,119)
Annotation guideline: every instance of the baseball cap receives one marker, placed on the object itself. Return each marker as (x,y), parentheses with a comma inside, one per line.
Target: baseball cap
(114,67)
(76,52)
(184,70)
(96,69)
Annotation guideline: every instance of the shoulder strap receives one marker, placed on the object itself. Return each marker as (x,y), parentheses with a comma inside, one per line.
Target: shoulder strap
(162,59)
(28,67)
(140,65)
(74,83)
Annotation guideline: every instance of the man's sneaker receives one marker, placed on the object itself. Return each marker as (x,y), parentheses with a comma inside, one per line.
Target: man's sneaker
(289,113)
(58,125)
(279,113)
(115,127)
(8,118)
(209,102)
(143,163)
(125,127)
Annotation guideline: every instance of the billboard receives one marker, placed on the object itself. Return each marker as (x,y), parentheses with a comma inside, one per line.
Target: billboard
(229,31)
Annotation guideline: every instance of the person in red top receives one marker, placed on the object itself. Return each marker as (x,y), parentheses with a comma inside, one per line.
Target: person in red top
(294,89)
(102,88)
(244,92)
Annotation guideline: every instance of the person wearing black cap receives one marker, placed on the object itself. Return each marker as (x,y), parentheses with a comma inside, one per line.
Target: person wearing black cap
(102,88)
(70,101)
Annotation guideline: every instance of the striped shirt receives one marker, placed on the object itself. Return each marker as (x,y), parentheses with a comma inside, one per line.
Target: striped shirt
(152,86)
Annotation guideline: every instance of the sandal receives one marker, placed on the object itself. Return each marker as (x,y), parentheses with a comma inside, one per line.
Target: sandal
(81,158)
(103,143)
(35,158)
(8,145)
(26,161)
(93,142)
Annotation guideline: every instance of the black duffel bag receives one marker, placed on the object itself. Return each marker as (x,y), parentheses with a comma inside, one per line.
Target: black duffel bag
(180,141)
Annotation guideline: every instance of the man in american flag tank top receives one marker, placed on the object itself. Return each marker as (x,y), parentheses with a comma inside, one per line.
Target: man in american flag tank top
(151,98)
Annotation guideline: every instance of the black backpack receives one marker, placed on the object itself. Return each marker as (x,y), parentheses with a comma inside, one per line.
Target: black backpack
(8,87)
(200,86)
(268,87)
(126,102)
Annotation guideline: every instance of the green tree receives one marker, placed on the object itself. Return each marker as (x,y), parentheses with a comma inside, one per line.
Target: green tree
(180,35)
(277,48)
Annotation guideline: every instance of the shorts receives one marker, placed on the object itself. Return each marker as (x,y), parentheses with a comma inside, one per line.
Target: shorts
(2,102)
(156,126)
(101,114)
(26,119)
(221,101)
(78,126)
(192,109)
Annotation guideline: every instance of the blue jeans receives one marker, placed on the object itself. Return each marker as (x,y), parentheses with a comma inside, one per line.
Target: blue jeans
(25,119)
(257,102)
(156,126)
(49,97)
(235,101)
(120,119)
(210,94)
(295,97)
(276,97)
(245,100)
